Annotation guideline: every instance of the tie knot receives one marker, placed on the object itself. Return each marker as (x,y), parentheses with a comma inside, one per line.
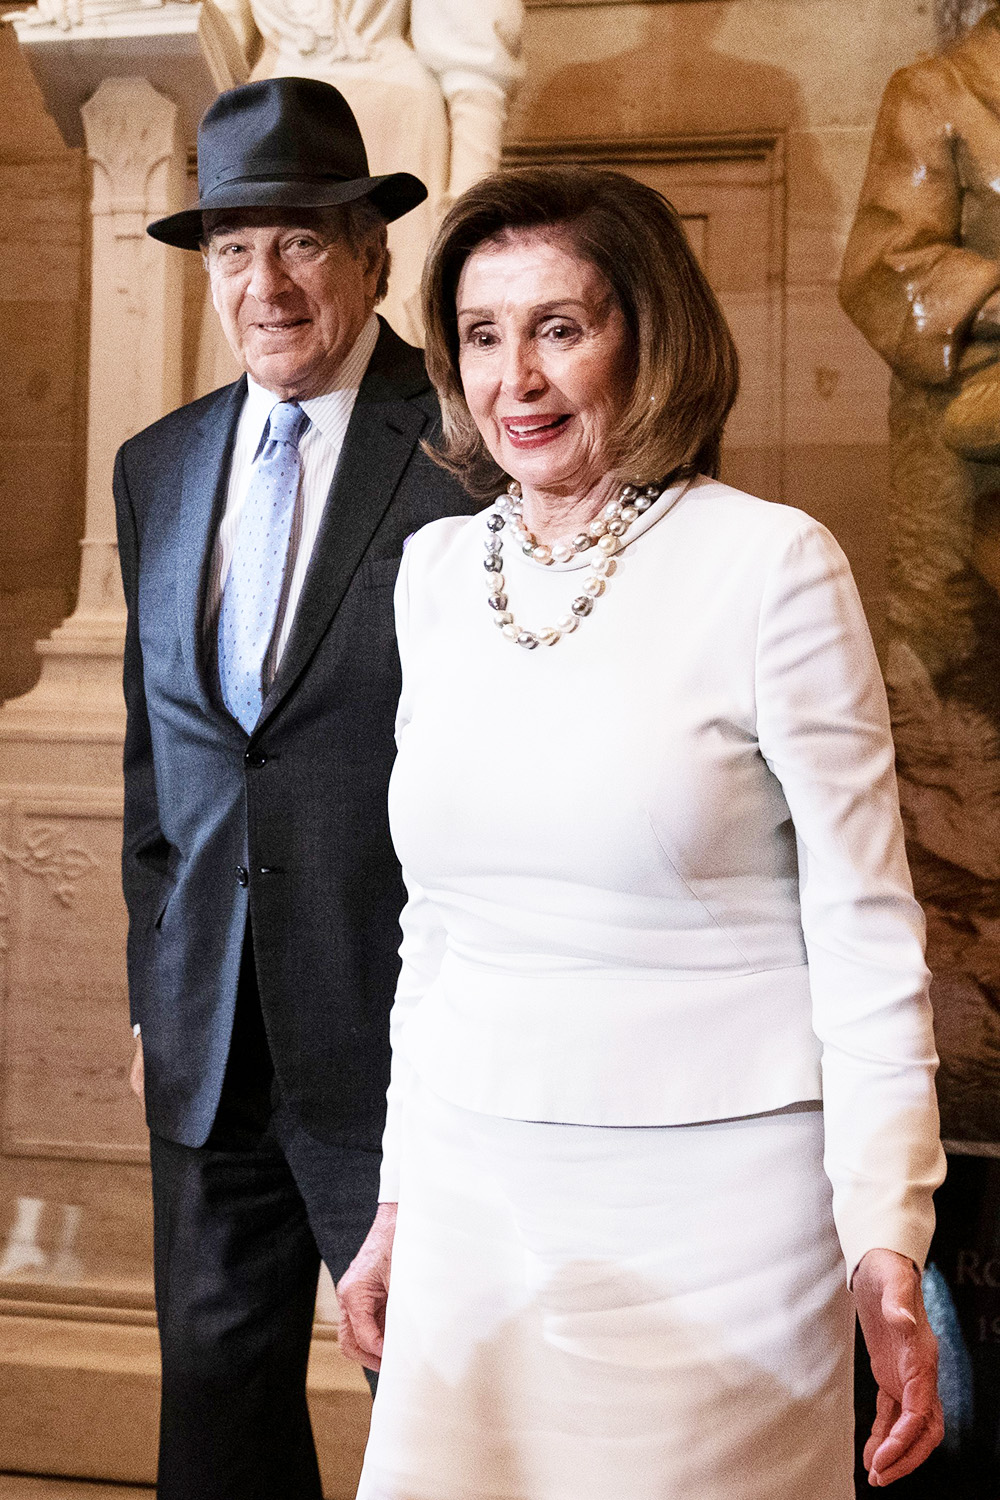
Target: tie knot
(286,422)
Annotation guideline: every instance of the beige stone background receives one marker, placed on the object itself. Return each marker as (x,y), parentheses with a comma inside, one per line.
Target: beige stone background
(756,116)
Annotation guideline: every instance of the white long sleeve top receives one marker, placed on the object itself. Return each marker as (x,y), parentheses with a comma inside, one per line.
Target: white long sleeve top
(656,872)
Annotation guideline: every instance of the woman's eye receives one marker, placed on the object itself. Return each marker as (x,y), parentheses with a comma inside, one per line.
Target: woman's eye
(479,338)
(560,332)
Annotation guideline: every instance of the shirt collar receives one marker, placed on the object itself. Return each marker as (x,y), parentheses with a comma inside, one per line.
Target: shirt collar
(321,410)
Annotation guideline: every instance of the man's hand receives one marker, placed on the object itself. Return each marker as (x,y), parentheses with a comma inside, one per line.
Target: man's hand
(137,1073)
(363,1289)
(903,1352)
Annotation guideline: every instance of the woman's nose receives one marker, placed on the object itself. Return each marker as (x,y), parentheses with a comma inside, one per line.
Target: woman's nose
(521,375)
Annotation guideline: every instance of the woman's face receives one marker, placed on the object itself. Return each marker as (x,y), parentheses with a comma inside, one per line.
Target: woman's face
(544,360)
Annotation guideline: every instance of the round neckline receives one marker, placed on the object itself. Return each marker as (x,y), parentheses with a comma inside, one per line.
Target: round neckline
(641,524)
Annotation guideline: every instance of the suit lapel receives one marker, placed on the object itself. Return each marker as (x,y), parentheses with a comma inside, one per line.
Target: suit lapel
(384,429)
(203,493)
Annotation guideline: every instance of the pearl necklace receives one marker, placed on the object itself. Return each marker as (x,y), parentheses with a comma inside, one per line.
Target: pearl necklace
(605,534)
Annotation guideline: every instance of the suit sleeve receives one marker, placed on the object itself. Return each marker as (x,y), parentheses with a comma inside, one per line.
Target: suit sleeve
(823,728)
(423,945)
(144,848)
(907,281)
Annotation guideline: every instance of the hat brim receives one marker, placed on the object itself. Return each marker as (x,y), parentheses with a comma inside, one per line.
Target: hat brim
(393,195)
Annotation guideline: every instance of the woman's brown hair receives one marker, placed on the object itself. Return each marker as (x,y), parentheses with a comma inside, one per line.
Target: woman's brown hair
(685,362)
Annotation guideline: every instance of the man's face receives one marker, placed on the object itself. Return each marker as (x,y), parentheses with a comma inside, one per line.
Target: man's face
(292,295)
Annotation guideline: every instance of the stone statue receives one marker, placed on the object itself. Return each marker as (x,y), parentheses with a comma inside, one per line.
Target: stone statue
(428,81)
(921,279)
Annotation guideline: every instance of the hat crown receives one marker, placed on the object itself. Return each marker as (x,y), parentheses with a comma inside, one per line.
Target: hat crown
(283,143)
(279,129)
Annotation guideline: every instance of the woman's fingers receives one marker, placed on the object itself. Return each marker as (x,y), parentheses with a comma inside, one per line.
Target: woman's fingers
(915,1432)
(886,1412)
(903,1351)
(912,1439)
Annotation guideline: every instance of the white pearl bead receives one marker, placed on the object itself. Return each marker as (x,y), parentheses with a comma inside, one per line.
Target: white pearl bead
(629,513)
(548,636)
(504,618)
(511,631)
(566,623)
(613,510)
(562,552)
(608,545)
(594,587)
(542,554)
(597,528)
(603,566)
(494,583)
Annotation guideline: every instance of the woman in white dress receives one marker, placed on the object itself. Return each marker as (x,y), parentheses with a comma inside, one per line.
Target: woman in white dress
(662,1109)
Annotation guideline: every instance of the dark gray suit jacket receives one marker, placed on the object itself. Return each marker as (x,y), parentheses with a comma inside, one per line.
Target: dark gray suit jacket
(288,825)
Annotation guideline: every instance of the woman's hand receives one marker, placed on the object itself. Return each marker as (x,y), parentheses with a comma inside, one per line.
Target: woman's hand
(903,1353)
(363,1289)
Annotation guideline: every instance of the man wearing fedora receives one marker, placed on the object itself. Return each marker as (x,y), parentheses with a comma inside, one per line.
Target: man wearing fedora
(260,530)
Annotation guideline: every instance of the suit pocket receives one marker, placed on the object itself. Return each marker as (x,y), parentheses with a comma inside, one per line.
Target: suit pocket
(379,572)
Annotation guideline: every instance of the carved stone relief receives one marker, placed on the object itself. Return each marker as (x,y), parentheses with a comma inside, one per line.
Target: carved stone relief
(67,1043)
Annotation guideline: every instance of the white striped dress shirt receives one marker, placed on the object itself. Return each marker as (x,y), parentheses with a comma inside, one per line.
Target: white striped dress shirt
(319,448)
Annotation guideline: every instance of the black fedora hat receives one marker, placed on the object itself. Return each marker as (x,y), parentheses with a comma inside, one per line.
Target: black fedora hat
(286,143)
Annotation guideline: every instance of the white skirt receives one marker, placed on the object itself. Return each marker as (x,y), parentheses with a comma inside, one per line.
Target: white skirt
(588,1313)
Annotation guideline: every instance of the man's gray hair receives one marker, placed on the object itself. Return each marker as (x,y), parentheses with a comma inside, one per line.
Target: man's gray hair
(362,225)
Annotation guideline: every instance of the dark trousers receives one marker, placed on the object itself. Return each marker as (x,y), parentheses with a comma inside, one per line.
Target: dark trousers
(240,1225)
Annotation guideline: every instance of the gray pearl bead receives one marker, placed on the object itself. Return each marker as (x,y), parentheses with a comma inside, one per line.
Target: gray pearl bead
(629,492)
(493,563)
(582,605)
(495,522)
(497,601)
(618,528)
(527,640)
(582,542)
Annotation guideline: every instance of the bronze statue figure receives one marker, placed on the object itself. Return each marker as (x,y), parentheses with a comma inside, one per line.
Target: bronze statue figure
(921,279)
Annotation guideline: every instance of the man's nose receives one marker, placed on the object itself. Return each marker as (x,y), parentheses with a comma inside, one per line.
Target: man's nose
(268,277)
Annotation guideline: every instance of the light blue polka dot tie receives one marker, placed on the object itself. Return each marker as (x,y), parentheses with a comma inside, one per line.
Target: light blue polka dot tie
(257,572)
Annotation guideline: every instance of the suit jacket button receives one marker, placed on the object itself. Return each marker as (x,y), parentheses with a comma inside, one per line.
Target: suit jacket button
(255,758)
(242,875)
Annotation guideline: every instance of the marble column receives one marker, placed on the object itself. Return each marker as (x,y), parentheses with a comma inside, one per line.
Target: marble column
(137,156)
